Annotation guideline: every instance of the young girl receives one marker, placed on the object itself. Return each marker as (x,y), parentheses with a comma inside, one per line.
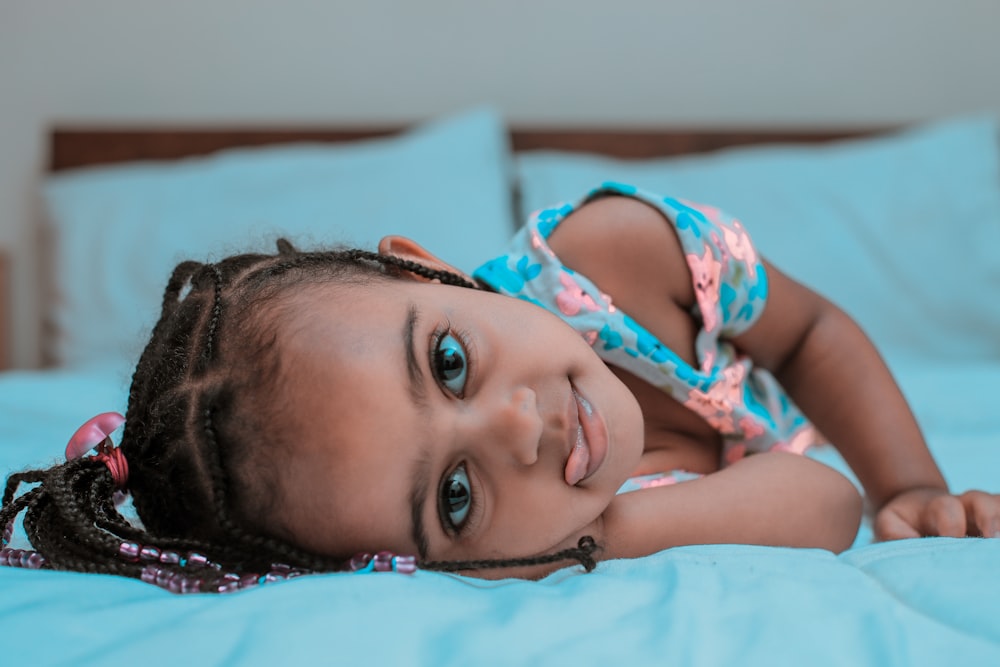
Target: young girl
(293,410)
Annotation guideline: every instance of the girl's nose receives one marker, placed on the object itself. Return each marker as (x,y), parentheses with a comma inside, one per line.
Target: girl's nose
(511,426)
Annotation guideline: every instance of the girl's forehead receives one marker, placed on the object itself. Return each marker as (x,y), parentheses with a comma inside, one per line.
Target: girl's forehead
(404,291)
(383,311)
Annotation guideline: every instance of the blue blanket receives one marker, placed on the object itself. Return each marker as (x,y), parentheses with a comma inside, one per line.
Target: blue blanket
(912,602)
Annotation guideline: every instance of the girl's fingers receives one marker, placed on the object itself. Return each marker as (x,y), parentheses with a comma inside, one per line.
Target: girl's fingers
(891,526)
(982,511)
(973,513)
(944,515)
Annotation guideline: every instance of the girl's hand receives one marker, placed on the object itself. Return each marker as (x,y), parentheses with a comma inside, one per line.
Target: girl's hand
(930,511)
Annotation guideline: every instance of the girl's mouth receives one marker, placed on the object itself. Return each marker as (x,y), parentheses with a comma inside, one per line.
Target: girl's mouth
(590,441)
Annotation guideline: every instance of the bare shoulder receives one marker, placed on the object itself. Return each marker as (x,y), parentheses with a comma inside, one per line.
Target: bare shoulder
(629,250)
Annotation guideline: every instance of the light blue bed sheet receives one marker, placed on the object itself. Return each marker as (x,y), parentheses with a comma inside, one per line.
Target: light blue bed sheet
(913,602)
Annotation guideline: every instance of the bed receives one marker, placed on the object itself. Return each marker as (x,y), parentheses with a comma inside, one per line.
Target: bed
(900,227)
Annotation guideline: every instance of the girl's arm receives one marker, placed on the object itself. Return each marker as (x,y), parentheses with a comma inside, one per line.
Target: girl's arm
(823,359)
(834,373)
(774,499)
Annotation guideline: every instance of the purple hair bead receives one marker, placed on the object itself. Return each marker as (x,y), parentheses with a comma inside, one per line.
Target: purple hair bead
(360,562)
(383,561)
(249,580)
(170,557)
(149,574)
(163,578)
(405,564)
(34,560)
(190,585)
(197,560)
(174,584)
(149,553)
(129,551)
(4,557)
(228,587)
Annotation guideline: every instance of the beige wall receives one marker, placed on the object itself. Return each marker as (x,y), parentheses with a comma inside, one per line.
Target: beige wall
(724,62)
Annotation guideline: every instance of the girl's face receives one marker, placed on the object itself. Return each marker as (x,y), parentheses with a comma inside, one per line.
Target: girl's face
(450,423)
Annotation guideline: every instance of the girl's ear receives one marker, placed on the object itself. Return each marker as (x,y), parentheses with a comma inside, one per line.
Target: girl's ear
(404,248)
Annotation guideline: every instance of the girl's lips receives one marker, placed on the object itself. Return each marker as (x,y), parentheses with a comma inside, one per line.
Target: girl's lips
(590,446)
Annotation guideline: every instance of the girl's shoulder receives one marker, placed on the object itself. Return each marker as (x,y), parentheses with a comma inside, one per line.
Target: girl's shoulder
(627,247)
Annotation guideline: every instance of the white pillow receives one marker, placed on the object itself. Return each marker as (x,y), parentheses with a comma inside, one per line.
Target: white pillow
(902,231)
(118,231)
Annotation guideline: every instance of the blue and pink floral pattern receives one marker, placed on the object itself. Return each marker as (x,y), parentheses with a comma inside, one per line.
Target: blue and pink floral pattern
(745,404)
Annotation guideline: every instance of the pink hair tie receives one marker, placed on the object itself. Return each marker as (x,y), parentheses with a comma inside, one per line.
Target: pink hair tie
(96,432)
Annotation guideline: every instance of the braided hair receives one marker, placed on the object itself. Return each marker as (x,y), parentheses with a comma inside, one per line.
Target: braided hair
(197,415)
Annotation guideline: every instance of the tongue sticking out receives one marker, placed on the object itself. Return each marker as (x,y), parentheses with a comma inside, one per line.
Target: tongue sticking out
(579,458)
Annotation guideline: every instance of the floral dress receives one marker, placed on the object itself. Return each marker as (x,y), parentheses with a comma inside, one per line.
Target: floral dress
(745,404)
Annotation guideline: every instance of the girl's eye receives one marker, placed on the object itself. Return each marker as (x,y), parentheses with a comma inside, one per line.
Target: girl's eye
(456,499)
(451,364)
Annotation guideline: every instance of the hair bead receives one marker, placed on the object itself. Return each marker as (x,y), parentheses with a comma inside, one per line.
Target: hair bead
(170,558)
(129,551)
(190,585)
(361,562)
(162,577)
(25,558)
(383,561)
(196,560)
(35,560)
(404,564)
(228,587)
(149,554)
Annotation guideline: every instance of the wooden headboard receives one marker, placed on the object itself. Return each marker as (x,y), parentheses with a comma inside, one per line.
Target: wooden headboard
(83,146)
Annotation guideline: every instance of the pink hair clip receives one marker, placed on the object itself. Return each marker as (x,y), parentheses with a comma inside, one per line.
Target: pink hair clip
(96,432)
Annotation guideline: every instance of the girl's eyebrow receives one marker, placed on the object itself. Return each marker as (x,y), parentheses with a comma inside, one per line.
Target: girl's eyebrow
(418,497)
(413,370)
(421,470)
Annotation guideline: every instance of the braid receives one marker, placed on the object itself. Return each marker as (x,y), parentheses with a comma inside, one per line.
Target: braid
(446,277)
(198,429)
(18,478)
(256,543)
(583,553)
(213,322)
(12,509)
